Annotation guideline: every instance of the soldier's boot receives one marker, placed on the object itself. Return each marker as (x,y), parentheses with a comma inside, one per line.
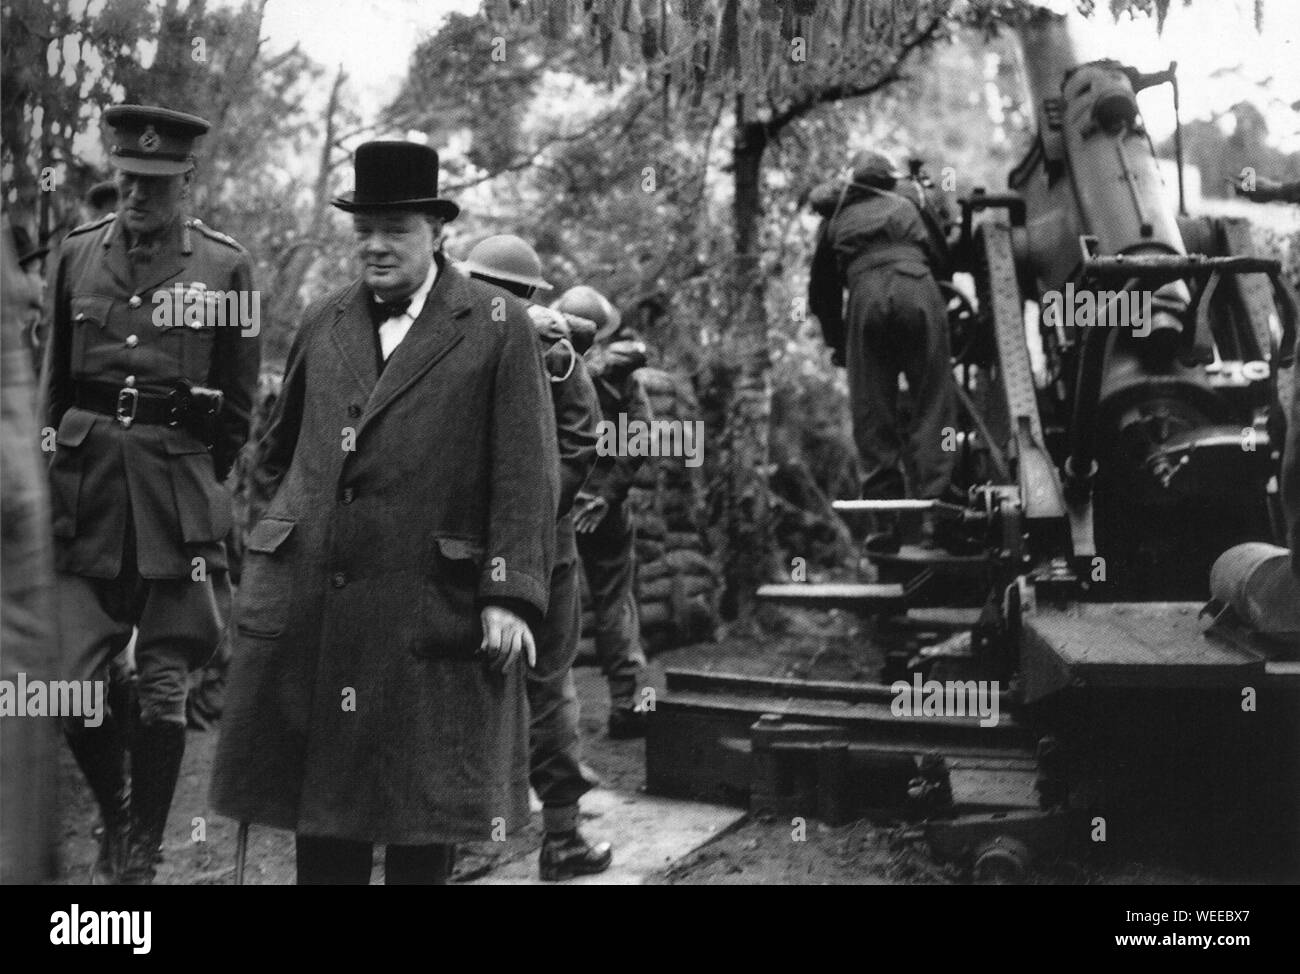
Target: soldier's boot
(100,752)
(567,854)
(156,752)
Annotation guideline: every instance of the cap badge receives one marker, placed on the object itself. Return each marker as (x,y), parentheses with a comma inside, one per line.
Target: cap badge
(149,140)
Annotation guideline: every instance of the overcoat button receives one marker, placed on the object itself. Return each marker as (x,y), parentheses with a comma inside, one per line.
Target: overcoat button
(339,579)
(132,341)
(354,411)
(349,494)
(135,301)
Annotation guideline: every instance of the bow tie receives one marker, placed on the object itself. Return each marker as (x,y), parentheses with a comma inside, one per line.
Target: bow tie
(381,311)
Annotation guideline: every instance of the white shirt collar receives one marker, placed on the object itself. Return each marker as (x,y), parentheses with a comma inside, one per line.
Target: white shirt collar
(393,331)
(421,293)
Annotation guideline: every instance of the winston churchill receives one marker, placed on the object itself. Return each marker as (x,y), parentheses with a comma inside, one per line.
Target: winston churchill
(393,584)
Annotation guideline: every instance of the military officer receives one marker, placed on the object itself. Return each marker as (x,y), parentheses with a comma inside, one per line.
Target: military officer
(150,391)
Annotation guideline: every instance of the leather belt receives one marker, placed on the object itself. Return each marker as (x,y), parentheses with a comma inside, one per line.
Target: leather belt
(127,404)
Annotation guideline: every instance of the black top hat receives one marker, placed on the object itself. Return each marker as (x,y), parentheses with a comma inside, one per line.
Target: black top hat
(396,176)
(152,141)
(23,244)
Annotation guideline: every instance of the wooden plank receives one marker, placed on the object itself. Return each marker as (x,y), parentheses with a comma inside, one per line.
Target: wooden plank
(987,788)
(837,595)
(914,556)
(940,617)
(1133,645)
(867,718)
(705,681)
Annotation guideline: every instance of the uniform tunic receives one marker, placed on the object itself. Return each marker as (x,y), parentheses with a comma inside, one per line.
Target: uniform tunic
(139,511)
(878,244)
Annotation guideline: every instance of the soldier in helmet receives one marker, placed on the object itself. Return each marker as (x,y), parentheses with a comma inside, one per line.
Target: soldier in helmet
(1265,190)
(151,397)
(100,200)
(555,766)
(876,242)
(605,533)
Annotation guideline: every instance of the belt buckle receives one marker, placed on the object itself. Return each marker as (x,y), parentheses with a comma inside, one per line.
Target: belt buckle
(127,397)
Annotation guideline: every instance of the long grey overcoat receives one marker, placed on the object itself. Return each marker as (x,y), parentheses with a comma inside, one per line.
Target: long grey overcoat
(406,501)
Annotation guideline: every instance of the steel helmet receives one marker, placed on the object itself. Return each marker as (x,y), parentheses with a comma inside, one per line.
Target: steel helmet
(874,168)
(586,302)
(506,258)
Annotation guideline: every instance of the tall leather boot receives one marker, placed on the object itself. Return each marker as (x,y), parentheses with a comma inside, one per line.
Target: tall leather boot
(156,752)
(100,752)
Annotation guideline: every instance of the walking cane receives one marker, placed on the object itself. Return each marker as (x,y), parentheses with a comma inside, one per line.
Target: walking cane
(241,852)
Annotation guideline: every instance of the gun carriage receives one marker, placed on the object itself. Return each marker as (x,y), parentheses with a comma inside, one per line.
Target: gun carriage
(1121,429)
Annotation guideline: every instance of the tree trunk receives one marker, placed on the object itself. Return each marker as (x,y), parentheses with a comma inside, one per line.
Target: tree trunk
(292,271)
(745,438)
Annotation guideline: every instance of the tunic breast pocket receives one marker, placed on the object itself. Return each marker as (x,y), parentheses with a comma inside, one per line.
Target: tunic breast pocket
(262,610)
(190,345)
(89,324)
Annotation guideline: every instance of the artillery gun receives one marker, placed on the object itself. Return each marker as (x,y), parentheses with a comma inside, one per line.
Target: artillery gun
(1121,429)
(1149,441)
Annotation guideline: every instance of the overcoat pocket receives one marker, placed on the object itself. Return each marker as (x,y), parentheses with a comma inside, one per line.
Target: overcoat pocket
(265,589)
(449,617)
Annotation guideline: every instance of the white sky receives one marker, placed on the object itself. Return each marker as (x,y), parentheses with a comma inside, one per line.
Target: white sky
(373,40)
(1209,36)
(1204,39)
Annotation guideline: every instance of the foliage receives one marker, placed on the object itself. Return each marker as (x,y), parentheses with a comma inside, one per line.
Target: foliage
(61,69)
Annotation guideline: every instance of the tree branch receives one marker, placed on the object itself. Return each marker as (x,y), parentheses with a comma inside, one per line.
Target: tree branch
(840,92)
